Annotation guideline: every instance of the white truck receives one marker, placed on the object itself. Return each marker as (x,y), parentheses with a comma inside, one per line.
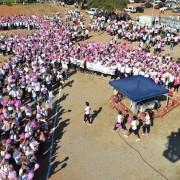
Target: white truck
(130,9)
(91,11)
(146,20)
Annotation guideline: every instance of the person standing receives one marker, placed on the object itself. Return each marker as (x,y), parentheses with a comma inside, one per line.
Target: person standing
(147,124)
(87,113)
(133,129)
(176,84)
(118,124)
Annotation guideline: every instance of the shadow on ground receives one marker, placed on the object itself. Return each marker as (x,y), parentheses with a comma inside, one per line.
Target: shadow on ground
(172,153)
(45,148)
(95,114)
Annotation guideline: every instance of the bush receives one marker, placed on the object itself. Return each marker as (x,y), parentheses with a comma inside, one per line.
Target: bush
(9,2)
(108,5)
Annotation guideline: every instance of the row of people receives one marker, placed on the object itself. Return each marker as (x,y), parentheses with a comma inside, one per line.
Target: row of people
(27,81)
(136,122)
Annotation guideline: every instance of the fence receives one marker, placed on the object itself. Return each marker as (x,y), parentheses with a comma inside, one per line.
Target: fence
(173,22)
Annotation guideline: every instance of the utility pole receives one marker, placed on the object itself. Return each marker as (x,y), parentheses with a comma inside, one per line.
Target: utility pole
(153,11)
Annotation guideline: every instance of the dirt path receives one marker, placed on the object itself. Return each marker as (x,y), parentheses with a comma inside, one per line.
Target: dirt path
(96,152)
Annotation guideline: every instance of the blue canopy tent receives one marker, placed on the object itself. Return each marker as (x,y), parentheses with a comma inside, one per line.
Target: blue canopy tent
(138,88)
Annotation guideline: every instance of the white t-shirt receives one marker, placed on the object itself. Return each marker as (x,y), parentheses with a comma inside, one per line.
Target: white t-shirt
(134,125)
(16,157)
(37,87)
(87,110)
(119,118)
(147,119)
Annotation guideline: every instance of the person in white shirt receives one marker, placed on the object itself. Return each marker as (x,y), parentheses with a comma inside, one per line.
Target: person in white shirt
(87,113)
(147,124)
(134,128)
(119,121)
(171,81)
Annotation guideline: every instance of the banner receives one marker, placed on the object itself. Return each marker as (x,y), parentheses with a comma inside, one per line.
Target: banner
(95,67)
(100,68)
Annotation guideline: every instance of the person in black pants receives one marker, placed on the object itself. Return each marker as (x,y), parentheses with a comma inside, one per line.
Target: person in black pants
(133,129)
(87,113)
(147,124)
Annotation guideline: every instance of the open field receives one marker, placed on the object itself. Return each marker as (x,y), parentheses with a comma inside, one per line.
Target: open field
(96,153)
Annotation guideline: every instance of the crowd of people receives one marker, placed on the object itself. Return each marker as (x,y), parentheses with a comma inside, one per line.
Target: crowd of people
(145,120)
(19,22)
(27,81)
(74,15)
(37,64)
(156,36)
(127,62)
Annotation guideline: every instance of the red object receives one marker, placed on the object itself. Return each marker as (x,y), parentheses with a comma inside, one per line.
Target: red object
(171,93)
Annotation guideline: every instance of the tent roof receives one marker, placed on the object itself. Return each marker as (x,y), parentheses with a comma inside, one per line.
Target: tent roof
(138,88)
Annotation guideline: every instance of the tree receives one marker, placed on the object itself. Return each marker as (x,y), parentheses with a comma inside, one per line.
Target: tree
(108,5)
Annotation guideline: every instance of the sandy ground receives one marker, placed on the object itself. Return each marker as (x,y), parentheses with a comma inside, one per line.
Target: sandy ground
(96,153)
(100,154)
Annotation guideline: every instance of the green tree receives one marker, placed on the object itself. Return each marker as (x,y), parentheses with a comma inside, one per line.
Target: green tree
(108,5)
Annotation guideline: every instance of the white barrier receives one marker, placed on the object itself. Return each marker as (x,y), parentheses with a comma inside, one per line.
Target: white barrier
(97,67)
(100,68)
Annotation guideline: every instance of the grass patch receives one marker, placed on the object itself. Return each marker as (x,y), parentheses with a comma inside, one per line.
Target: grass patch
(8,2)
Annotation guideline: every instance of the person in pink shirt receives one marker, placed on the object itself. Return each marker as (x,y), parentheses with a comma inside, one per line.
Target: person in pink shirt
(176,84)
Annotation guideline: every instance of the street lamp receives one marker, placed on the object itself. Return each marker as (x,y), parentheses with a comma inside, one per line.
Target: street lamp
(153,11)
(153,8)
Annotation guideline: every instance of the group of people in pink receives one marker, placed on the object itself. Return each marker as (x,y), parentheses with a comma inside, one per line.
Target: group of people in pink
(127,61)
(36,66)
(27,82)
(20,22)
(157,35)
(74,15)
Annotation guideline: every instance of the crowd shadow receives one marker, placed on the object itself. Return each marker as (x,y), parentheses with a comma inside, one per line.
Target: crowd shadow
(95,114)
(71,72)
(172,152)
(69,84)
(59,164)
(59,130)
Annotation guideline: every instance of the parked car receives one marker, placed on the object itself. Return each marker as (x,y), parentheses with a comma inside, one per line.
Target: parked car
(68,2)
(163,9)
(130,9)
(139,9)
(91,11)
(176,10)
(159,5)
(139,1)
(131,1)
(170,5)
(147,5)
(157,2)
(176,1)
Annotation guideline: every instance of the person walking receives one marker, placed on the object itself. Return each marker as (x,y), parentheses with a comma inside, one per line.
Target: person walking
(133,129)
(87,113)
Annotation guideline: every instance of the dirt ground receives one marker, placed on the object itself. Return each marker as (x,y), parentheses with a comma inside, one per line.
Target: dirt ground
(100,154)
(96,153)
